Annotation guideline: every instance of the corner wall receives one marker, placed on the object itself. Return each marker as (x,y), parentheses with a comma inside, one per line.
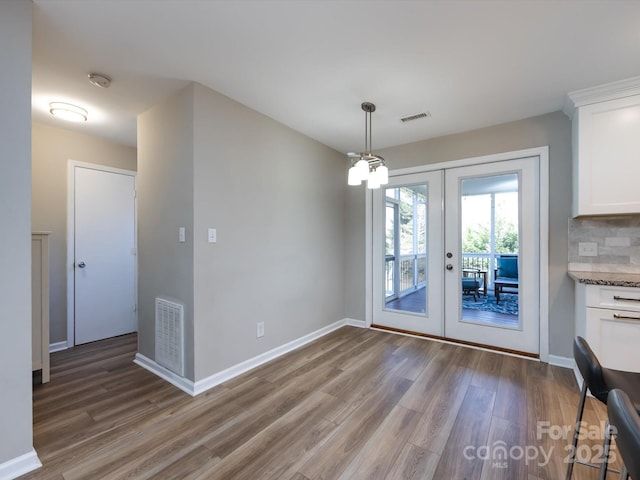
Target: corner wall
(16,440)
(165,203)
(276,198)
(52,148)
(554,130)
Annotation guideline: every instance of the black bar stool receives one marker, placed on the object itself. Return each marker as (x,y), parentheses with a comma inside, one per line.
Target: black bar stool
(625,422)
(600,381)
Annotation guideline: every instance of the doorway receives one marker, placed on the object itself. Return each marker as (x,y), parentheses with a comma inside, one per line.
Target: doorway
(101,246)
(442,242)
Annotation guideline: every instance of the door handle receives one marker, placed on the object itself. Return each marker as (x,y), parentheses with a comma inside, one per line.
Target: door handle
(449,266)
(82,265)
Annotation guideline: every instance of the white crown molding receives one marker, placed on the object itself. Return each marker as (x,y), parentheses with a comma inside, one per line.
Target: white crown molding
(600,93)
(20,465)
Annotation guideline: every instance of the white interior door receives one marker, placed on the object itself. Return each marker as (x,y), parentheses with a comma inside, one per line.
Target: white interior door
(480,200)
(104,254)
(407,252)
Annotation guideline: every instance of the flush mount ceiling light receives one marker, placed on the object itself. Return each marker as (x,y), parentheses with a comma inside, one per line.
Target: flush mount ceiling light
(67,111)
(367,165)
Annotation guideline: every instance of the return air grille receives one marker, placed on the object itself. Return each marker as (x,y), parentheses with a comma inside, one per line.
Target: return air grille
(170,335)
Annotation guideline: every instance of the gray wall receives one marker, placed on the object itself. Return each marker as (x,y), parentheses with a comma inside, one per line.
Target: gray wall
(15,237)
(554,130)
(165,203)
(52,148)
(276,199)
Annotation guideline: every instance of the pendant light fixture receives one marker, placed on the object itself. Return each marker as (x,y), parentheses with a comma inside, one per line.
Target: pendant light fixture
(367,165)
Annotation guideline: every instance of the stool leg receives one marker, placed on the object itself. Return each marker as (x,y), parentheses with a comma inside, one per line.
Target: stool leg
(624,475)
(576,430)
(606,446)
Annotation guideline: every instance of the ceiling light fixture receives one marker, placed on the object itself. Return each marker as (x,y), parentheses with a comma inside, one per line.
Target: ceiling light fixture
(67,111)
(367,165)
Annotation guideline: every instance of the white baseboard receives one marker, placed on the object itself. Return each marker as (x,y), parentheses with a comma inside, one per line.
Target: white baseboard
(566,362)
(174,379)
(352,322)
(19,465)
(58,346)
(205,384)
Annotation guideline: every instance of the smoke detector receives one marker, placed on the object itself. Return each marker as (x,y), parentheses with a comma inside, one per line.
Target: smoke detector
(99,80)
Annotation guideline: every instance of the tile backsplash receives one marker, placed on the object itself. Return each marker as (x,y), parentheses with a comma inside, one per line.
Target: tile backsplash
(617,239)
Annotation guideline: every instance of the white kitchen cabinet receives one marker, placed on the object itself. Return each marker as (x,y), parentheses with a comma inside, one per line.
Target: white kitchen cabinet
(608,317)
(40,303)
(606,149)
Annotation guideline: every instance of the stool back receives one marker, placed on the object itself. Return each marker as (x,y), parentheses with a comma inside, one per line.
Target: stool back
(590,369)
(626,422)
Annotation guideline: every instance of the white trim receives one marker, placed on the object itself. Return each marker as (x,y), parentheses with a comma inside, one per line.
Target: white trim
(565,362)
(174,379)
(196,388)
(352,322)
(19,465)
(465,162)
(71,195)
(600,93)
(58,346)
(368,258)
(543,216)
(543,154)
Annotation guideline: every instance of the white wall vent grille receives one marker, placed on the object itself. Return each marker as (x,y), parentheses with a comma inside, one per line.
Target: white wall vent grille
(170,335)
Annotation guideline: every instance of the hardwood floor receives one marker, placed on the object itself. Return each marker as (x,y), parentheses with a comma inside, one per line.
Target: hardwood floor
(354,404)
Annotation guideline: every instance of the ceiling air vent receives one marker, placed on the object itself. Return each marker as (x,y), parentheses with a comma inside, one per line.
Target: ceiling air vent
(415,117)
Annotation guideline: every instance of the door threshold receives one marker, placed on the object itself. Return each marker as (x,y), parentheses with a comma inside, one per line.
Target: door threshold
(453,341)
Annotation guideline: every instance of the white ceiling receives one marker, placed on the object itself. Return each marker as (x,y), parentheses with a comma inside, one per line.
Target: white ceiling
(310,63)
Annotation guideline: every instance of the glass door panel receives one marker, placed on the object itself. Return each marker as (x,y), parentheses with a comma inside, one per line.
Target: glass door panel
(407,251)
(489,217)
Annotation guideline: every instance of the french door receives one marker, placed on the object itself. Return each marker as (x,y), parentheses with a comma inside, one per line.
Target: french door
(441,240)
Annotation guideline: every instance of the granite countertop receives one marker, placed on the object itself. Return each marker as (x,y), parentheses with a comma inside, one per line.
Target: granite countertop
(607,278)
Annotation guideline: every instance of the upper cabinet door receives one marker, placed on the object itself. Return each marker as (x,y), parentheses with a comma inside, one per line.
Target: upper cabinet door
(606,157)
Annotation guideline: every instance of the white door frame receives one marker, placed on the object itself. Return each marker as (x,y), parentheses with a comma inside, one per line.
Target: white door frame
(71,233)
(543,153)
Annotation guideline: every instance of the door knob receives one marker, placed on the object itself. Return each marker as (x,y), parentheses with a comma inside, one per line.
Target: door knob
(449,254)
(82,265)
(449,266)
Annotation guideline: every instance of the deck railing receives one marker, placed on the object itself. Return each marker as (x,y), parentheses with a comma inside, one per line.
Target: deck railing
(412,272)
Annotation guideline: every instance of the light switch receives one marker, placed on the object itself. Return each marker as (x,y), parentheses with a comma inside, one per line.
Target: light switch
(181,235)
(212,236)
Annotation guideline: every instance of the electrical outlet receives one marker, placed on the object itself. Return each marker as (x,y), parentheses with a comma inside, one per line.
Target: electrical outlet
(260,330)
(587,249)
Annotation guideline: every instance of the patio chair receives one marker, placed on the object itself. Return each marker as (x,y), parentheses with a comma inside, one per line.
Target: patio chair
(472,282)
(505,275)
